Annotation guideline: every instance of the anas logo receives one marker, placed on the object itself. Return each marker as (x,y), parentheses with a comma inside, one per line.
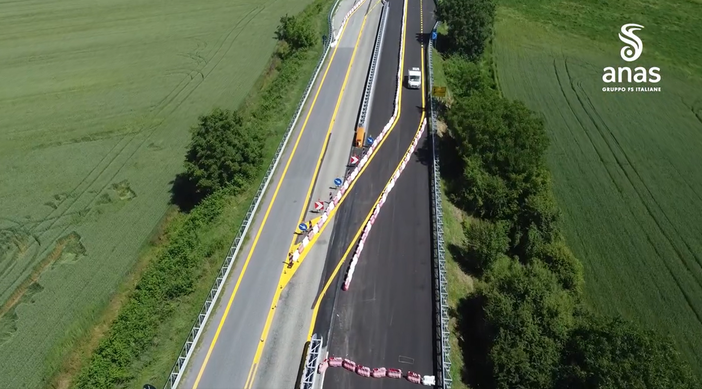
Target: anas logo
(634,46)
(632,50)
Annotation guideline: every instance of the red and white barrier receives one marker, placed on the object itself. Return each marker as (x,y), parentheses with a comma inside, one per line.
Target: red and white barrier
(335,361)
(344,21)
(349,365)
(323,366)
(363,371)
(394,373)
(414,378)
(334,203)
(379,372)
(383,196)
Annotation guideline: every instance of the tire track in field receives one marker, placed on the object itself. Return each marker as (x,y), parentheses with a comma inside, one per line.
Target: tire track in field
(160,108)
(597,151)
(631,180)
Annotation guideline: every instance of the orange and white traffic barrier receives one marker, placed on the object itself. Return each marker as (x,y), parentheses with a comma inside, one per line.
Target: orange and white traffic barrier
(363,371)
(394,373)
(379,372)
(335,361)
(414,378)
(349,365)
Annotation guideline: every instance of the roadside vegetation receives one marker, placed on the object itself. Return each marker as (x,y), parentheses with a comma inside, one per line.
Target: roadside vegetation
(225,163)
(520,314)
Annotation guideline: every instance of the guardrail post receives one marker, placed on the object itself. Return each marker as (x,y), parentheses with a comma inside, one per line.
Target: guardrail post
(443,347)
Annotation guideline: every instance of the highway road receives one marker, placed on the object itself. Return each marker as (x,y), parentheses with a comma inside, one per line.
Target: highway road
(232,340)
(279,363)
(385,319)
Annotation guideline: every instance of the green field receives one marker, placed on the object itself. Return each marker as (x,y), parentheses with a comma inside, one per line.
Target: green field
(627,167)
(97,101)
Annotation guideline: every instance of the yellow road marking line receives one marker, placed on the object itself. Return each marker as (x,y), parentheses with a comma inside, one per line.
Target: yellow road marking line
(283,280)
(315,310)
(265,218)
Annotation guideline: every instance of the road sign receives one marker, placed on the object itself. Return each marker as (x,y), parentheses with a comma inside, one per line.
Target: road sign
(433,35)
(439,91)
(302,227)
(369,141)
(354,160)
(338,181)
(318,205)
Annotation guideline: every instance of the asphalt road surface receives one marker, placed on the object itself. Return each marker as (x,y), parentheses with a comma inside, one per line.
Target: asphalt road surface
(230,357)
(385,319)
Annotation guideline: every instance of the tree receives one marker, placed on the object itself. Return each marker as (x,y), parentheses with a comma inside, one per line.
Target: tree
(502,145)
(609,353)
(509,139)
(469,24)
(223,152)
(297,32)
(531,316)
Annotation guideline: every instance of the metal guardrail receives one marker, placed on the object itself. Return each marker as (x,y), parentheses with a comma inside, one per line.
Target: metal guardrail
(309,373)
(370,83)
(189,345)
(443,347)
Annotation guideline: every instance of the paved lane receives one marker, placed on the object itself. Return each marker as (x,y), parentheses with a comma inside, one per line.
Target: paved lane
(246,300)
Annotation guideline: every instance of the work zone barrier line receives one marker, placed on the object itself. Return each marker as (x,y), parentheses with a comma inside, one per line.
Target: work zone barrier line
(295,254)
(378,372)
(376,211)
(189,346)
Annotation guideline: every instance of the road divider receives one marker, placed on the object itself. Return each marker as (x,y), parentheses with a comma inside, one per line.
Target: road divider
(383,197)
(317,227)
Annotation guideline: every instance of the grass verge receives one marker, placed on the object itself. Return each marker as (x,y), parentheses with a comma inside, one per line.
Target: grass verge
(198,240)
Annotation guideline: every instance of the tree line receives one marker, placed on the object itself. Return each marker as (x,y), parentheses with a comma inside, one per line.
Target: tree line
(527,325)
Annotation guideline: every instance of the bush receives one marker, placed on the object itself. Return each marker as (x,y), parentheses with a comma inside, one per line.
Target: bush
(223,152)
(297,32)
(485,242)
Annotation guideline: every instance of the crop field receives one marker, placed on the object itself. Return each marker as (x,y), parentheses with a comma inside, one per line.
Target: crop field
(627,167)
(98,99)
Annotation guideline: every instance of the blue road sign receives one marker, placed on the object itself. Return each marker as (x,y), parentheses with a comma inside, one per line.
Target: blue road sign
(338,181)
(369,141)
(302,227)
(433,35)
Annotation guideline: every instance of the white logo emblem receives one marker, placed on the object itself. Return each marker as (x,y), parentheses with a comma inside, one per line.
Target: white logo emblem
(634,46)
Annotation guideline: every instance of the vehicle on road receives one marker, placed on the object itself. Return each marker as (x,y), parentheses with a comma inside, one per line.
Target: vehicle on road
(414,78)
